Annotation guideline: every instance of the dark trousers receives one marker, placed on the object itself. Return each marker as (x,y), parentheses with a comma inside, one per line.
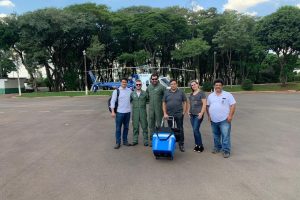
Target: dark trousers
(122,119)
(179,123)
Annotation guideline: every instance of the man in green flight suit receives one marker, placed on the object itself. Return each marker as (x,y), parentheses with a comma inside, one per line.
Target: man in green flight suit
(155,93)
(139,100)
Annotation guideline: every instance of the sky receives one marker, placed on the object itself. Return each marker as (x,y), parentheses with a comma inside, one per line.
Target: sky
(252,7)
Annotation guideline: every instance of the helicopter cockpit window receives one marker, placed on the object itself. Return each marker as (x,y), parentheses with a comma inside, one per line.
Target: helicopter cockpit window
(165,81)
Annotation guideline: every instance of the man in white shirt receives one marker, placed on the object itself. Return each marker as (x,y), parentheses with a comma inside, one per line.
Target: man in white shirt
(220,110)
(122,116)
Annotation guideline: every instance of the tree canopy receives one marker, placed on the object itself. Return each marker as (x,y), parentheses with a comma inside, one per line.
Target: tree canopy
(243,46)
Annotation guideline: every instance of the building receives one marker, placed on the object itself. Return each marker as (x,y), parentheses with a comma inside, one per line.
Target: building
(296,70)
(10,85)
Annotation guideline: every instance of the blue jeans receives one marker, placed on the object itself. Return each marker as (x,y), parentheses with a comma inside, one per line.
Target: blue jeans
(196,122)
(221,132)
(122,119)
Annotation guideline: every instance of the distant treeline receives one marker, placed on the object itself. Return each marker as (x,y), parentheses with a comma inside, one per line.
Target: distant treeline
(228,45)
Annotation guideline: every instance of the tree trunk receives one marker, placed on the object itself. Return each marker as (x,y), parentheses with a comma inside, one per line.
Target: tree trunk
(229,66)
(47,67)
(282,75)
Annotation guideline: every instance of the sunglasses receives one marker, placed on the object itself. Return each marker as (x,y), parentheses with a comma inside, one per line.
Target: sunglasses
(154,79)
(138,84)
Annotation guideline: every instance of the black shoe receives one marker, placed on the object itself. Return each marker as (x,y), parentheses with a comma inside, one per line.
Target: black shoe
(127,144)
(196,148)
(226,154)
(146,144)
(117,146)
(181,148)
(200,149)
(134,144)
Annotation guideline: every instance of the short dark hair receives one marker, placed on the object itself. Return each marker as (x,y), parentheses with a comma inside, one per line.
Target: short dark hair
(124,79)
(154,74)
(173,80)
(219,81)
(138,80)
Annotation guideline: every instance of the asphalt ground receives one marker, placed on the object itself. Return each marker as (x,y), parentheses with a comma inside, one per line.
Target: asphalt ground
(61,148)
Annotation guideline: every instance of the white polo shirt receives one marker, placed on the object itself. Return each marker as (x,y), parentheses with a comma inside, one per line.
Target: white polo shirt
(219,106)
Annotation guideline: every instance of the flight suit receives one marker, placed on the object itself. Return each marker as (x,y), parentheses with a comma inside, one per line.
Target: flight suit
(139,115)
(155,111)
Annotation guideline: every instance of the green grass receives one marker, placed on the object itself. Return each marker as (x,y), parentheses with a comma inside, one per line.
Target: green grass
(260,87)
(65,94)
(234,88)
(266,87)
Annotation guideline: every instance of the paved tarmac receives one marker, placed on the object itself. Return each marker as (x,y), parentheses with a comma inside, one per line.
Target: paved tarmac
(61,148)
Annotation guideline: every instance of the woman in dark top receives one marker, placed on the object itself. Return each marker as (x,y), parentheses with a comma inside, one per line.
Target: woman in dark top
(197,107)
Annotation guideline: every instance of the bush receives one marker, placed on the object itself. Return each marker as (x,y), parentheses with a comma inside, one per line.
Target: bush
(247,84)
(297,78)
(207,86)
(47,83)
(40,82)
(71,81)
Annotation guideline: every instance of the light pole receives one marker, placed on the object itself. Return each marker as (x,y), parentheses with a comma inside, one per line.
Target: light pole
(84,58)
(17,67)
(215,73)
(19,85)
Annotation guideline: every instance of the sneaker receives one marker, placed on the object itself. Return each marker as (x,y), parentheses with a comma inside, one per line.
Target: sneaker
(226,154)
(200,149)
(145,144)
(127,144)
(215,151)
(196,148)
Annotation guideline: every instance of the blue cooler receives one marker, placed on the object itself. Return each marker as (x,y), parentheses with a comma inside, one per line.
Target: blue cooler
(164,142)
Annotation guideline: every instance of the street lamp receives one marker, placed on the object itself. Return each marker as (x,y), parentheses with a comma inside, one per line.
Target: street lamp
(19,85)
(215,73)
(86,87)
(16,58)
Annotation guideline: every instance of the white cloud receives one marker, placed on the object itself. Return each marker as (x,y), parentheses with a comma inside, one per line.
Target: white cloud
(2,15)
(6,3)
(242,5)
(251,13)
(195,6)
(298,5)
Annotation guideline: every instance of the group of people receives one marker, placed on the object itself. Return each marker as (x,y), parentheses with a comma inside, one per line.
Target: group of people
(219,106)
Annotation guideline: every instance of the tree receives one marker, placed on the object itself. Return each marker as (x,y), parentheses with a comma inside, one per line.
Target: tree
(190,49)
(231,37)
(134,59)
(10,40)
(280,33)
(95,51)
(6,64)
(152,29)
(8,32)
(55,39)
